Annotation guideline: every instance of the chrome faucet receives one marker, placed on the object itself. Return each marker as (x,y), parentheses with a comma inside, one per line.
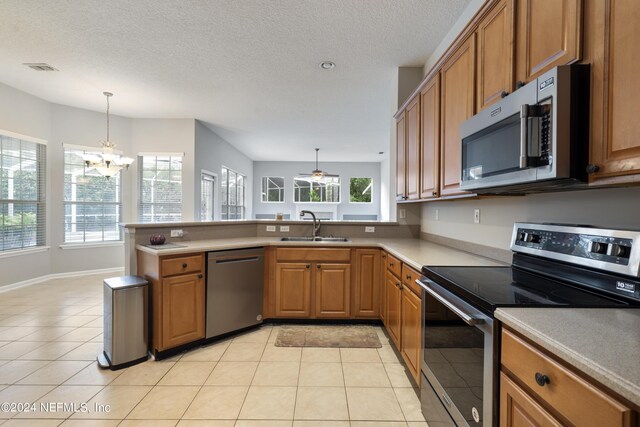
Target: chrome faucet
(316,222)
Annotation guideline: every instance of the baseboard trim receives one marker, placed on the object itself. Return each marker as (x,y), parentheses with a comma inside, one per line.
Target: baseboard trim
(65,275)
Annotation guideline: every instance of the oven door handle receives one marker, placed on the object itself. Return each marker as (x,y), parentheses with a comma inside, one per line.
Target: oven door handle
(469,320)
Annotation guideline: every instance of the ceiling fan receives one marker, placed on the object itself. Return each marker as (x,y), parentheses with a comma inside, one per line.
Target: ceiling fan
(317,174)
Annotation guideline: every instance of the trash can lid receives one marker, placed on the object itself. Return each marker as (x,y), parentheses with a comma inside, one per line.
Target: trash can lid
(124,282)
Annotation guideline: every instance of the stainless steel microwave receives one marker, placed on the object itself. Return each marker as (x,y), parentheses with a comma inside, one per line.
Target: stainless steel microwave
(534,139)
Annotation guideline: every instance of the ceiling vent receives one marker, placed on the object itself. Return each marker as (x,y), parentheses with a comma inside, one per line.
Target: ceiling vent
(40,66)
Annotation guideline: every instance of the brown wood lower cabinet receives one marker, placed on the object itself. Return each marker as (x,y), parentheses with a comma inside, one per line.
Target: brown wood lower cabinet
(293,289)
(183,300)
(411,331)
(537,385)
(367,283)
(333,290)
(178,296)
(394,308)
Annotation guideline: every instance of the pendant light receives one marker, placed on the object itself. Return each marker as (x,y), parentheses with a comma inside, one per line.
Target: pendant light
(107,162)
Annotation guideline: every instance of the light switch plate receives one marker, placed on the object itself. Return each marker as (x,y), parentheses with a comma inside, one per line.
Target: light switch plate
(271,228)
(284,228)
(177,233)
(369,229)
(402,213)
(476,216)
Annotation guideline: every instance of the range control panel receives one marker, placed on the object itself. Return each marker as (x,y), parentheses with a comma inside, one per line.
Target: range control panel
(594,247)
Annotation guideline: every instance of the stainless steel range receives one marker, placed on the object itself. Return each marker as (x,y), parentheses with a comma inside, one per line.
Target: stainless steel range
(553,266)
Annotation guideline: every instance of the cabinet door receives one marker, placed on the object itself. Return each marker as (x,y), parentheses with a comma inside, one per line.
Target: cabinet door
(495,54)
(383,288)
(430,139)
(183,299)
(333,290)
(293,290)
(518,409)
(615,37)
(412,118)
(367,287)
(548,35)
(394,306)
(411,331)
(401,181)
(457,105)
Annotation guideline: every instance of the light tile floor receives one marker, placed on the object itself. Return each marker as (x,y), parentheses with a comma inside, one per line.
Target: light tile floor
(50,334)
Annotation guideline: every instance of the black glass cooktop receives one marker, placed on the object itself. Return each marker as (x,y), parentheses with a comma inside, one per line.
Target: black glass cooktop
(492,287)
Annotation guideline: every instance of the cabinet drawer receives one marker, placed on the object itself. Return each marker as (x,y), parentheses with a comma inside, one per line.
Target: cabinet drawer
(313,254)
(182,265)
(574,398)
(394,265)
(409,277)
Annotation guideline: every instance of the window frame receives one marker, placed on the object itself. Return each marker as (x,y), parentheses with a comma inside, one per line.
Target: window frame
(40,201)
(283,189)
(224,216)
(65,202)
(320,202)
(140,177)
(214,179)
(370,186)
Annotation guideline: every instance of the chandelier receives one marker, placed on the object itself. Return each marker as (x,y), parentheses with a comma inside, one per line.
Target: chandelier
(108,162)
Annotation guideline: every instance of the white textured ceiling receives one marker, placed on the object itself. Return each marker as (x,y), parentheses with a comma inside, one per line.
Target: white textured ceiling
(247,68)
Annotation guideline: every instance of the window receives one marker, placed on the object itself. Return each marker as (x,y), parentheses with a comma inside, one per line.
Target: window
(272,189)
(308,190)
(92,203)
(22,193)
(360,190)
(233,186)
(207,196)
(160,188)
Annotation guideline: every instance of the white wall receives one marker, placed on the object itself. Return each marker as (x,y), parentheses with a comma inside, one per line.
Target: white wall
(611,208)
(213,152)
(289,170)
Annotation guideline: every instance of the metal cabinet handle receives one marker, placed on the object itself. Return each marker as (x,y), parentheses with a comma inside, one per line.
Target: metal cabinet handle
(398,285)
(541,379)
(318,266)
(200,276)
(391,264)
(591,168)
(434,193)
(408,277)
(184,265)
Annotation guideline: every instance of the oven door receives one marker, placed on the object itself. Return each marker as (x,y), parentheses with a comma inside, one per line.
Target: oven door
(458,363)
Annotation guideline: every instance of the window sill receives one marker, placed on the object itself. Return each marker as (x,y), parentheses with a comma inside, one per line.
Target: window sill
(19,252)
(67,246)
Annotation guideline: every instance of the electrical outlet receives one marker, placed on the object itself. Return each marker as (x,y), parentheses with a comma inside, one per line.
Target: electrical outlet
(177,233)
(271,228)
(284,228)
(437,214)
(369,229)
(476,216)
(402,213)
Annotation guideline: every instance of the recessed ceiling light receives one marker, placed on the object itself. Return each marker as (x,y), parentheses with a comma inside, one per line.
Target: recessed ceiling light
(380,152)
(327,65)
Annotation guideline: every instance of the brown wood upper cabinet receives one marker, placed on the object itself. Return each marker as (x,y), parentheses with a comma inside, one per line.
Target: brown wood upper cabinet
(612,46)
(548,35)
(457,104)
(401,159)
(430,138)
(412,147)
(367,283)
(495,35)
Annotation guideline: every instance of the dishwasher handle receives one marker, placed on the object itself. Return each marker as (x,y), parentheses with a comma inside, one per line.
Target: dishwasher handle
(236,260)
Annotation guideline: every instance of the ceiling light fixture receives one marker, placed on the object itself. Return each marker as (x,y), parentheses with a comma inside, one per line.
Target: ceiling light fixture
(327,65)
(108,162)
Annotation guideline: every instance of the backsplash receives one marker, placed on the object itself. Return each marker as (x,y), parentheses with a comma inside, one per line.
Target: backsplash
(611,208)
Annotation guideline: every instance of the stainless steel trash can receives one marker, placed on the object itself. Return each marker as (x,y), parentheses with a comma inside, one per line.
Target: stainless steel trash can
(126,311)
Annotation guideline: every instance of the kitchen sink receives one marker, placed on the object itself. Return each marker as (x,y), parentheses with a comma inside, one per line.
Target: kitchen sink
(314,239)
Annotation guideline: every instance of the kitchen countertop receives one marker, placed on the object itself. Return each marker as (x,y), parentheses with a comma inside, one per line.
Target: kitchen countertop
(602,343)
(414,252)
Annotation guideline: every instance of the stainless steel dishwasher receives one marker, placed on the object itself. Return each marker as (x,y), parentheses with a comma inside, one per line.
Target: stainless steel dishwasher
(235,279)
